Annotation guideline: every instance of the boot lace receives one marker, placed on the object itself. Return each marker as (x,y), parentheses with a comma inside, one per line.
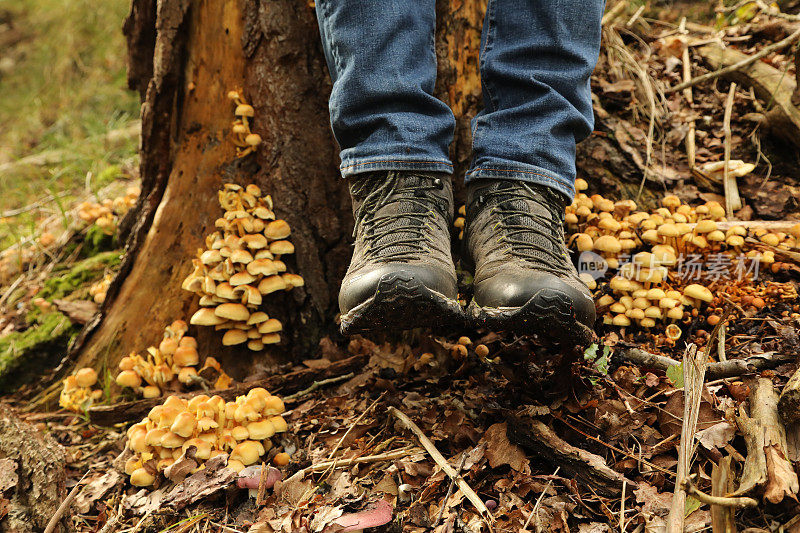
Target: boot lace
(534,235)
(404,234)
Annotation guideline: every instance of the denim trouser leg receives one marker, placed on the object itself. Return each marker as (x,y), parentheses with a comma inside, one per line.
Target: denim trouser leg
(382,62)
(536,59)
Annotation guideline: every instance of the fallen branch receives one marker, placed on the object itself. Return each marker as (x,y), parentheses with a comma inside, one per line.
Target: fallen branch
(716,370)
(780,45)
(765,438)
(317,385)
(108,415)
(586,467)
(694,371)
(444,465)
(722,501)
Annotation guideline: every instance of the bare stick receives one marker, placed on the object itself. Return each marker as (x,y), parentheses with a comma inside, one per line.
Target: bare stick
(535,510)
(733,202)
(316,385)
(694,371)
(736,66)
(691,147)
(443,464)
(450,490)
(614,12)
(51,525)
(722,501)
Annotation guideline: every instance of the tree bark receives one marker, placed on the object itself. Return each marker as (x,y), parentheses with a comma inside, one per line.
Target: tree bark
(184,58)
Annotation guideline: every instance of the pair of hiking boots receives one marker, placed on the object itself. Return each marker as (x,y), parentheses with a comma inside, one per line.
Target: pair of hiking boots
(402,274)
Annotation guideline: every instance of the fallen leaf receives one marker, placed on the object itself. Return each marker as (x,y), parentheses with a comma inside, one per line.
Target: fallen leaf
(500,451)
(79,311)
(96,488)
(716,436)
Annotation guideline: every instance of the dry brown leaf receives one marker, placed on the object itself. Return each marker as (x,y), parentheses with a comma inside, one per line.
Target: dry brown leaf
(500,451)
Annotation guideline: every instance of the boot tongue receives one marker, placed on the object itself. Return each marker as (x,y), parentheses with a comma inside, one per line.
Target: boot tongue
(401,212)
(521,208)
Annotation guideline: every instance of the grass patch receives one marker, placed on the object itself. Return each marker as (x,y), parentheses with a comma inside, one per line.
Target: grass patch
(63,89)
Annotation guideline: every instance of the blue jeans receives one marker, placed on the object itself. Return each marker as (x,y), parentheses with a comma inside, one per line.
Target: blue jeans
(536,58)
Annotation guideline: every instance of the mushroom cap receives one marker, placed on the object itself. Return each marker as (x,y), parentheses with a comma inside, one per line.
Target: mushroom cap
(206,316)
(271,338)
(715,236)
(257,318)
(281,247)
(668,230)
(86,377)
(583,242)
(265,267)
(635,313)
(129,378)
(172,440)
(241,256)
(608,244)
(244,110)
(277,230)
(705,226)
(186,356)
(253,139)
(241,278)
(142,478)
(260,429)
(293,280)
(698,292)
(621,320)
(656,294)
(271,284)
(233,337)
(232,311)
(735,241)
(150,392)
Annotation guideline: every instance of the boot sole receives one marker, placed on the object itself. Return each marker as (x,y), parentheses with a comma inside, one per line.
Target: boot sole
(548,315)
(402,302)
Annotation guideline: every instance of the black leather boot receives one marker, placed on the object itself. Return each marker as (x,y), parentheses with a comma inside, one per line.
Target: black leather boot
(524,279)
(402,274)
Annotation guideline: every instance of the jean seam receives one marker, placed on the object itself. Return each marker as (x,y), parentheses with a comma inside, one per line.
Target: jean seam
(373,161)
(540,174)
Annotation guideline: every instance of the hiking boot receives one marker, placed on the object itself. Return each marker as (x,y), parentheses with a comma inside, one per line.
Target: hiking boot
(402,274)
(524,279)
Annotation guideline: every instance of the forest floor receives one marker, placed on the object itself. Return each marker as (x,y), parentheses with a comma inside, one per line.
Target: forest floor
(467,431)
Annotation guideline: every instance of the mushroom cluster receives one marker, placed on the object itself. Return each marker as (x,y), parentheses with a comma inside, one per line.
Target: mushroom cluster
(245,140)
(77,394)
(167,366)
(643,249)
(241,265)
(243,429)
(106,214)
(98,290)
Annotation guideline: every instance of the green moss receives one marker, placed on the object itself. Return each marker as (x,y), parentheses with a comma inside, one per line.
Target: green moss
(91,269)
(23,354)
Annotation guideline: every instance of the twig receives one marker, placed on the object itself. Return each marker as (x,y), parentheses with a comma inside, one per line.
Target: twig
(721,344)
(717,370)
(11,289)
(354,424)
(450,490)
(614,12)
(635,16)
(622,507)
(691,146)
(722,501)
(535,510)
(736,66)
(316,385)
(444,465)
(340,463)
(51,525)
(733,202)
(694,370)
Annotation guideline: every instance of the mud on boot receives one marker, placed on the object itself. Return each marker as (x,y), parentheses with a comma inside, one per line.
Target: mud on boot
(401,275)
(524,282)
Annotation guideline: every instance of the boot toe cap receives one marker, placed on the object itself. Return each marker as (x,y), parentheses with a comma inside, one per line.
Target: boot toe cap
(540,288)
(359,288)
